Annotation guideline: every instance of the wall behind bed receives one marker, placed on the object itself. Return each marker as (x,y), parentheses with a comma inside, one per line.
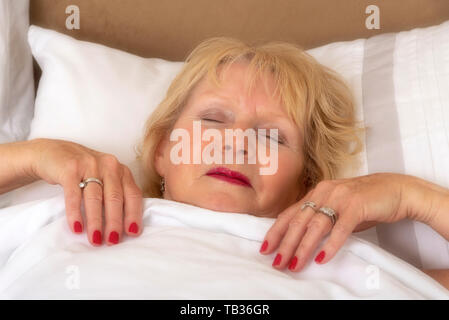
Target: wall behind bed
(170,29)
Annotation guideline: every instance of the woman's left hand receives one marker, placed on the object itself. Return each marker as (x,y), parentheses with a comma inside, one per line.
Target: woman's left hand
(359,202)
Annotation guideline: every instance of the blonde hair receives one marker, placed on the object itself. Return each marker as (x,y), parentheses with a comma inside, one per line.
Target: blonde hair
(315,97)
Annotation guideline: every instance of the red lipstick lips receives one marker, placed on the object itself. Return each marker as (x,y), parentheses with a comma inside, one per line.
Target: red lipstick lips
(229,176)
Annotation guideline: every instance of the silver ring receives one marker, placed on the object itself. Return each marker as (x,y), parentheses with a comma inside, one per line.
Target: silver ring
(84,183)
(308,204)
(330,213)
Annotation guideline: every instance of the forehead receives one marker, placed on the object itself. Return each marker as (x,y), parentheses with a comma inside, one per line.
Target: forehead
(234,82)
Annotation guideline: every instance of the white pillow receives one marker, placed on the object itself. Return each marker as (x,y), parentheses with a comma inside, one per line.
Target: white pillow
(16,72)
(100,97)
(94,95)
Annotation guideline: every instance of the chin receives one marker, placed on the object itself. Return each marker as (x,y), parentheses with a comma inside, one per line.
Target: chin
(222,201)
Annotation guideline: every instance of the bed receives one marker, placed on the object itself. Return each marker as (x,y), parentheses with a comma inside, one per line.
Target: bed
(129,52)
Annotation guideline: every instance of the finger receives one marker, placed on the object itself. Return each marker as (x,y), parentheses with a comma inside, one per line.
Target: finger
(296,228)
(93,203)
(133,204)
(318,227)
(113,202)
(296,225)
(280,226)
(73,197)
(340,232)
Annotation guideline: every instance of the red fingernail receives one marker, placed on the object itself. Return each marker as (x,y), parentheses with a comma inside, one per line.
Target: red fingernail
(134,228)
(277,260)
(293,263)
(97,237)
(113,237)
(320,257)
(77,227)
(264,246)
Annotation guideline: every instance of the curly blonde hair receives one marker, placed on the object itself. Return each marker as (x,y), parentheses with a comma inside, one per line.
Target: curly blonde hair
(315,97)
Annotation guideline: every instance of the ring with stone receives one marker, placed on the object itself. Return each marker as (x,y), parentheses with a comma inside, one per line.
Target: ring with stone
(84,183)
(330,213)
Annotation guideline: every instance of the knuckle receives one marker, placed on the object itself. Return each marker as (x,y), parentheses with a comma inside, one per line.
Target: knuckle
(341,190)
(303,248)
(314,225)
(114,196)
(72,166)
(127,173)
(296,221)
(94,196)
(135,194)
(114,221)
(287,246)
(341,228)
(72,206)
(110,161)
(93,220)
(127,170)
(91,161)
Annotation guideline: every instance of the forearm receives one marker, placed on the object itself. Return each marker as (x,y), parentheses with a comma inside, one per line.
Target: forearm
(440,275)
(16,161)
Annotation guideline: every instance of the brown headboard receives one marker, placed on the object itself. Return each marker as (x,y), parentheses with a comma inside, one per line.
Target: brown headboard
(169,29)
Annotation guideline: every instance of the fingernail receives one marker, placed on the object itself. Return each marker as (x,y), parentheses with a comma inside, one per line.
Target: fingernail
(97,237)
(264,246)
(293,263)
(134,228)
(277,260)
(77,227)
(320,256)
(113,237)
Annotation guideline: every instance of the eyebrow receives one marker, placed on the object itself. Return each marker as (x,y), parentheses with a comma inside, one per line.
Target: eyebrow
(217,107)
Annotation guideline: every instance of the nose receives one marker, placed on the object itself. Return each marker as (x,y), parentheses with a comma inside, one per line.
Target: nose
(239,142)
(244,149)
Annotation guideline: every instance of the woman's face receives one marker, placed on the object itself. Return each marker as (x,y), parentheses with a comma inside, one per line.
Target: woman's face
(209,185)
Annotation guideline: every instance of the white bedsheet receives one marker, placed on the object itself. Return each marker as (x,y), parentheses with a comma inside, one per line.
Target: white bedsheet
(185,252)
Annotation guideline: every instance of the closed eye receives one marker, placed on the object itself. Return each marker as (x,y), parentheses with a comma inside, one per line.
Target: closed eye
(213,120)
(280,141)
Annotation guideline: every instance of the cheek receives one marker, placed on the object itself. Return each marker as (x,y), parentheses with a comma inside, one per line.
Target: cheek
(179,179)
(181,176)
(286,177)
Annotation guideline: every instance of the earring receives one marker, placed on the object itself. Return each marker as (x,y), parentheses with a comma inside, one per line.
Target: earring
(162,185)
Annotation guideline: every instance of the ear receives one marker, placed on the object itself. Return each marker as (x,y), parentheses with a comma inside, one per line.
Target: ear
(160,156)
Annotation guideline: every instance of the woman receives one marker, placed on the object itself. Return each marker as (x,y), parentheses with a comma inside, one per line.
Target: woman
(228,85)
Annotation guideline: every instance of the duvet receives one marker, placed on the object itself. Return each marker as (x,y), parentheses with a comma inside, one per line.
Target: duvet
(185,252)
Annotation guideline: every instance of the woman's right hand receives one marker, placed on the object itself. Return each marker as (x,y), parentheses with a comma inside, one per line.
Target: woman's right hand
(67,164)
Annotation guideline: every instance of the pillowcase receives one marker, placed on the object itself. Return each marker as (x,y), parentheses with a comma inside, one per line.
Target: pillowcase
(100,97)
(94,95)
(16,72)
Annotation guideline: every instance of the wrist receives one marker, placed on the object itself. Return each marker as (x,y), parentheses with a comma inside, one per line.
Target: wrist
(16,165)
(428,203)
(26,156)
(423,201)
(440,219)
